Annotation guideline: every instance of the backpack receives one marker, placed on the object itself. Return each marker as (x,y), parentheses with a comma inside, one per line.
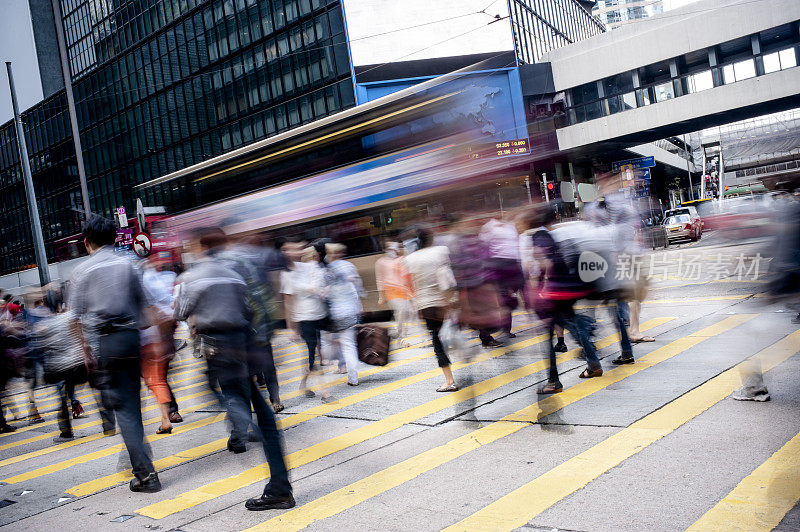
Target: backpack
(586,249)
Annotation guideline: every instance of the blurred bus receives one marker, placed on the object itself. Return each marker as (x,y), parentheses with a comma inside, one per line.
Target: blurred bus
(417,156)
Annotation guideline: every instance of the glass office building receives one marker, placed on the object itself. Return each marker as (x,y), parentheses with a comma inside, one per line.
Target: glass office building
(616,13)
(540,26)
(164,84)
(55,172)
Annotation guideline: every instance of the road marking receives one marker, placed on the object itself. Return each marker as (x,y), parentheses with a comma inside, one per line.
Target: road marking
(96,485)
(144,397)
(95,423)
(391,477)
(523,504)
(108,451)
(372,430)
(290,395)
(696,299)
(762,499)
(87,439)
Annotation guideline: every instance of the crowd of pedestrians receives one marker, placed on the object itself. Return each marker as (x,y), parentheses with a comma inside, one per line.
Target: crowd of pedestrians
(115,324)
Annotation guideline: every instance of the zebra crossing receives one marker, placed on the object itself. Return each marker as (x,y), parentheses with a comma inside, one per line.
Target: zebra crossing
(382,455)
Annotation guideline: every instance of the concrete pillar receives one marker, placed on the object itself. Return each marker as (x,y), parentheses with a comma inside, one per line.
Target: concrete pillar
(755,43)
(601,92)
(713,62)
(797,48)
(636,84)
(675,74)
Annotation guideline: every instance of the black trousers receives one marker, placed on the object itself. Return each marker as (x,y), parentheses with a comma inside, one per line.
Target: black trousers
(261,363)
(434,319)
(66,391)
(229,364)
(119,371)
(310,332)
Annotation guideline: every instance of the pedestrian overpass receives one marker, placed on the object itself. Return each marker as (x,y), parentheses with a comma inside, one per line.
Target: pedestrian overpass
(709,63)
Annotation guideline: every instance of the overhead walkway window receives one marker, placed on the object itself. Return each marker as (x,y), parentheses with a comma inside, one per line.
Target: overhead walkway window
(617,94)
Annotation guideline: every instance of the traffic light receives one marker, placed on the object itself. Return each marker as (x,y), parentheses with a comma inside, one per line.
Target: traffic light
(550,186)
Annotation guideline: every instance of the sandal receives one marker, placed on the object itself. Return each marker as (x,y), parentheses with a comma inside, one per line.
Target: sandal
(162,430)
(551,387)
(624,360)
(589,373)
(643,339)
(448,388)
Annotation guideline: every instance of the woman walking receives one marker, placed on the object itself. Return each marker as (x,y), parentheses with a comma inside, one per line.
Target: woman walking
(433,283)
(303,288)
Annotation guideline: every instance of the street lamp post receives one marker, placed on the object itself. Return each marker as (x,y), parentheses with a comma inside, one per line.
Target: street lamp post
(30,193)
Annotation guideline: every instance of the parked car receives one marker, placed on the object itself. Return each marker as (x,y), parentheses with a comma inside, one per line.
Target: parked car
(681,227)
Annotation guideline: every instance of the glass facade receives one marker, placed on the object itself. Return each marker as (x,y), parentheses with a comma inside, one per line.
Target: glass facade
(163,84)
(540,26)
(616,13)
(55,176)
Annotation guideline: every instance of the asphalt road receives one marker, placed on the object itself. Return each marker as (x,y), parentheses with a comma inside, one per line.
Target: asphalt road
(657,445)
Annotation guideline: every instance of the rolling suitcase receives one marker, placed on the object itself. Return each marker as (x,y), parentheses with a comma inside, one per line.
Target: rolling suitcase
(373,344)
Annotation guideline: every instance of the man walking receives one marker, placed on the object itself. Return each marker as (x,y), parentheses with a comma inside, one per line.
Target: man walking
(109,303)
(214,300)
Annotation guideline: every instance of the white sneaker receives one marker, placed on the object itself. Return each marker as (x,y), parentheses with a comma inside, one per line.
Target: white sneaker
(748,393)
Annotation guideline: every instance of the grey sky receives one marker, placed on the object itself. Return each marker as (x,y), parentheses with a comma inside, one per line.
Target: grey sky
(16,45)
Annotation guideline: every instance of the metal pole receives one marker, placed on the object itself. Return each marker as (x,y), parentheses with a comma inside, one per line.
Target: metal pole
(686,149)
(721,173)
(33,210)
(73,121)
(546,193)
(703,175)
(528,188)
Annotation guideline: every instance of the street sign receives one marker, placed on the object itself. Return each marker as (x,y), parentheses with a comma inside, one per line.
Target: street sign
(636,164)
(142,245)
(122,218)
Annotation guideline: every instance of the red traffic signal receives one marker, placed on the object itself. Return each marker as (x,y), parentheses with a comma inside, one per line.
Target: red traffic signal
(550,186)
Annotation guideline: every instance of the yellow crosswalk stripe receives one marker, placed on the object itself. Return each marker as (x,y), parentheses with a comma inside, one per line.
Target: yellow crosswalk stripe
(96,485)
(761,500)
(523,504)
(382,481)
(84,392)
(151,407)
(372,430)
(145,398)
(97,422)
(87,439)
(50,391)
(108,451)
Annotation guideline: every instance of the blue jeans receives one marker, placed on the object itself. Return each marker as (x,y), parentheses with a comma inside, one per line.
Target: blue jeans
(229,364)
(579,325)
(622,315)
(119,365)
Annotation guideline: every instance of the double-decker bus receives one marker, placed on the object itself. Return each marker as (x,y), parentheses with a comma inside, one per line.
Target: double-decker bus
(438,148)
